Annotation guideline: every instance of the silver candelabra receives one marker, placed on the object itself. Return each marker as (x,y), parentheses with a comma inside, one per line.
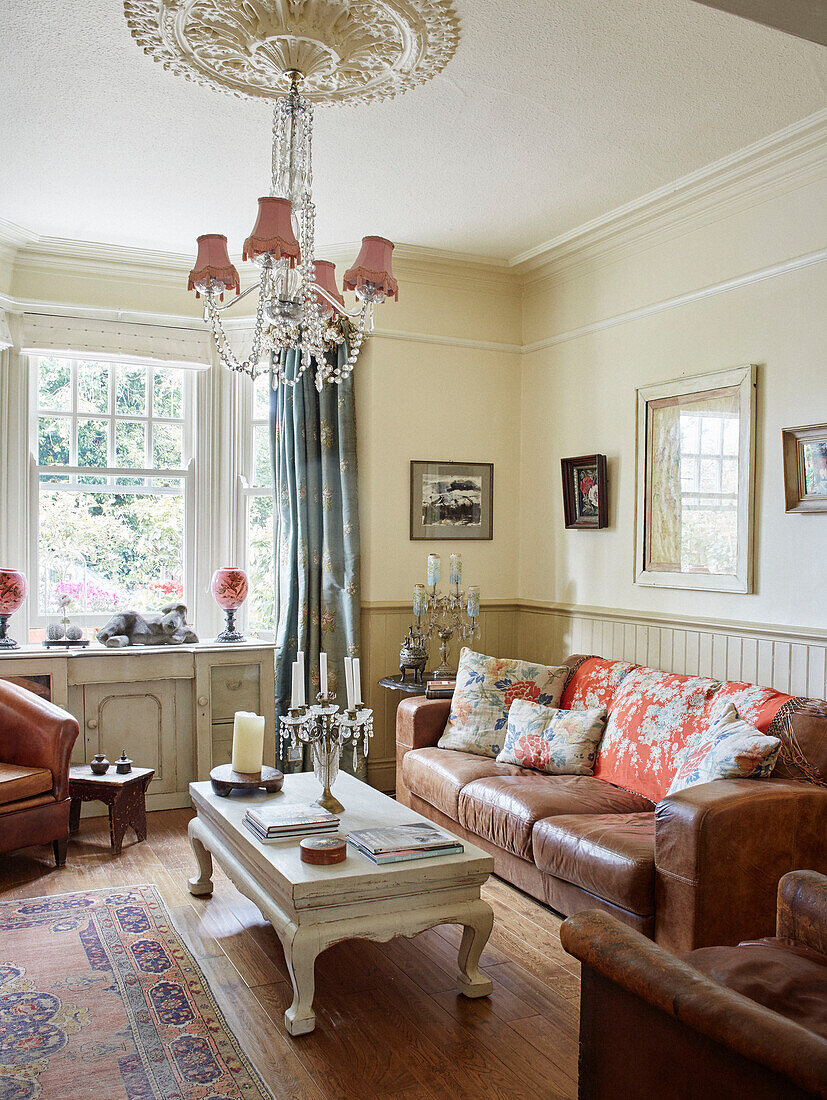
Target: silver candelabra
(455,613)
(328,730)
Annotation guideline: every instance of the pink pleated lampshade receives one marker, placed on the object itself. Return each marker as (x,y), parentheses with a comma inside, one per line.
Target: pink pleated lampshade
(212,265)
(273,232)
(373,265)
(326,278)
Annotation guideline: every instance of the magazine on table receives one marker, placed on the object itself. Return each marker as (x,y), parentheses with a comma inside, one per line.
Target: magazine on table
(403,838)
(285,834)
(402,855)
(276,818)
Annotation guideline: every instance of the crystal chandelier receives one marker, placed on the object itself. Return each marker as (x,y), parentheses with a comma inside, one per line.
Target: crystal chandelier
(299,305)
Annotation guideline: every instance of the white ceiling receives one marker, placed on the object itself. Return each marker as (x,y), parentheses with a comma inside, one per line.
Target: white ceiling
(551,113)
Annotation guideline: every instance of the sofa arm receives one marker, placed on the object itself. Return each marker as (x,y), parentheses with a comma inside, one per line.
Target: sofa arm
(802,909)
(651,1016)
(36,734)
(420,721)
(720,849)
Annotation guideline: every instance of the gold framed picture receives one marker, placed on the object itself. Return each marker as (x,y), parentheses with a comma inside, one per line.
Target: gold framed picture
(805,468)
(695,460)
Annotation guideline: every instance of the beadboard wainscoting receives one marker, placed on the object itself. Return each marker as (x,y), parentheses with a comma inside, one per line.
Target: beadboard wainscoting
(781,657)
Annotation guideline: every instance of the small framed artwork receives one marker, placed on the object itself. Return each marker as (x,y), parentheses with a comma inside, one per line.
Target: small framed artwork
(805,468)
(695,459)
(452,500)
(585,492)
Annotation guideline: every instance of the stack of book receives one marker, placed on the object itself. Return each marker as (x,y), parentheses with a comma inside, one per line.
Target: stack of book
(271,823)
(396,843)
(440,689)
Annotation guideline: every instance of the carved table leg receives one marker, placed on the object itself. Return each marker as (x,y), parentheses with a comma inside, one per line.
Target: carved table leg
(471,982)
(200,884)
(118,820)
(74,815)
(300,955)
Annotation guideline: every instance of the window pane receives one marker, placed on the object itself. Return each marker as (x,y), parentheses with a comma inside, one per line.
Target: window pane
(54,385)
(93,442)
(130,391)
(127,549)
(167,446)
(93,387)
(130,436)
(261,563)
(261,397)
(711,427)
(731,426)
(53,440)
(262,470)
(168,392)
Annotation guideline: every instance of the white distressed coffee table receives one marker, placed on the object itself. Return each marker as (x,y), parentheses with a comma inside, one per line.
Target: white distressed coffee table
(313,907)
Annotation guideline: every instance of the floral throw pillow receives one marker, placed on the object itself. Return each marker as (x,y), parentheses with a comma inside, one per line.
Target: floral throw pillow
(486,688)
(557,742)
(729,749)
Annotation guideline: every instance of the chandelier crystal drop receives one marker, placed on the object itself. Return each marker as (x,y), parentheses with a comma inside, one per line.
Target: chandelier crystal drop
(299,307)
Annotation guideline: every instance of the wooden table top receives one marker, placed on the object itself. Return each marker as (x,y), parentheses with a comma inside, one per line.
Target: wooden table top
(309,886)
(85,774)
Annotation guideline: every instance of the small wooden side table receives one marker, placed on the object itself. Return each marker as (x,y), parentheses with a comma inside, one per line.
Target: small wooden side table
(125,795)
(395,683)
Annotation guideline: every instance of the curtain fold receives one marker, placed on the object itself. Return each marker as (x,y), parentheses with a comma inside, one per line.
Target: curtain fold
(313,438)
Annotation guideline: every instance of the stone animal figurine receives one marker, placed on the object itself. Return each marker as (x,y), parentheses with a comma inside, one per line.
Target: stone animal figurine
(165,627)
(413,655)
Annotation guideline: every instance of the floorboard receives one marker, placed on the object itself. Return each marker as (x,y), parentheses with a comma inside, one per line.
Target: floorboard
(390,1023)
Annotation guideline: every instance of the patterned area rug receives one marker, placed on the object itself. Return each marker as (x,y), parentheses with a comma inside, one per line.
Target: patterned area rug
(100,998)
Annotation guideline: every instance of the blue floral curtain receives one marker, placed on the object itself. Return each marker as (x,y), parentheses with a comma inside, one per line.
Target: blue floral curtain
(316,536)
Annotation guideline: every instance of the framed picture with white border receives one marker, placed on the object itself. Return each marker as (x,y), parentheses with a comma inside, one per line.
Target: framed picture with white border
(695,482)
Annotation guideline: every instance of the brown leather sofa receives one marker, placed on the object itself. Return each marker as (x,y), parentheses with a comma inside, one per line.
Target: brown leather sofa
(729,1022)
(36,740)
(699,867)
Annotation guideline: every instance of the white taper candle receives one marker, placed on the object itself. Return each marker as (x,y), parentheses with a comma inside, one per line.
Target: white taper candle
(357,680)
(300,662)
(323,673)
(349,682)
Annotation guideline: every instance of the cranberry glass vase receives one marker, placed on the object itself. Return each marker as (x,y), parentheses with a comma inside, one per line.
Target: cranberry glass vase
(229,589)
(13,590)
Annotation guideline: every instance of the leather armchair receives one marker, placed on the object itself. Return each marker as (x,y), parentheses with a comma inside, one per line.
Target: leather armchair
(36,740)
(654,1025)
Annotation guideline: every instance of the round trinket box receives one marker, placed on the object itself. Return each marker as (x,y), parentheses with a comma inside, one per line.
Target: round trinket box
(323,850)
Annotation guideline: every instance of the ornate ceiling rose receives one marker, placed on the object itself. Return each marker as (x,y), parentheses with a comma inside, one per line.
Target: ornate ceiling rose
(348,51)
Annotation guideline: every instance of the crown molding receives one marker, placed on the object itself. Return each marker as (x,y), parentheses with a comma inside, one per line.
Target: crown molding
(710,291)
(782,162)
(43,255)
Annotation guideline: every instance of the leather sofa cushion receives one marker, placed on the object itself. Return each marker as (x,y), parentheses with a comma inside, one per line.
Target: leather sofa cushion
(504,808)
(782,975)
(438,775)
(610,855)
(7,808)
(17,782)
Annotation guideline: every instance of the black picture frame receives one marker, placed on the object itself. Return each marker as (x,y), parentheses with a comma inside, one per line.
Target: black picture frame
(451,500)
(581,512)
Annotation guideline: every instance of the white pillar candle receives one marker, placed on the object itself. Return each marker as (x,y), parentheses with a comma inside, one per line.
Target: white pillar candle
(323,673)
(248,742)
(434,569)
(357,680)
(349,681)
(300,662)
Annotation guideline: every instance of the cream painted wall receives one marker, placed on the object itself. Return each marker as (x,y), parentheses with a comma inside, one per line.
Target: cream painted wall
(578,396)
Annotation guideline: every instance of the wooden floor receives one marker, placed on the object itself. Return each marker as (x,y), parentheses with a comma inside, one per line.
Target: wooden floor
(389,1020)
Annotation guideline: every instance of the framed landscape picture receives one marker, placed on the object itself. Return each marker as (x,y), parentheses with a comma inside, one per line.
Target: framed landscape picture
(805,468)
(585,495)
(695,458)
(452,500)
